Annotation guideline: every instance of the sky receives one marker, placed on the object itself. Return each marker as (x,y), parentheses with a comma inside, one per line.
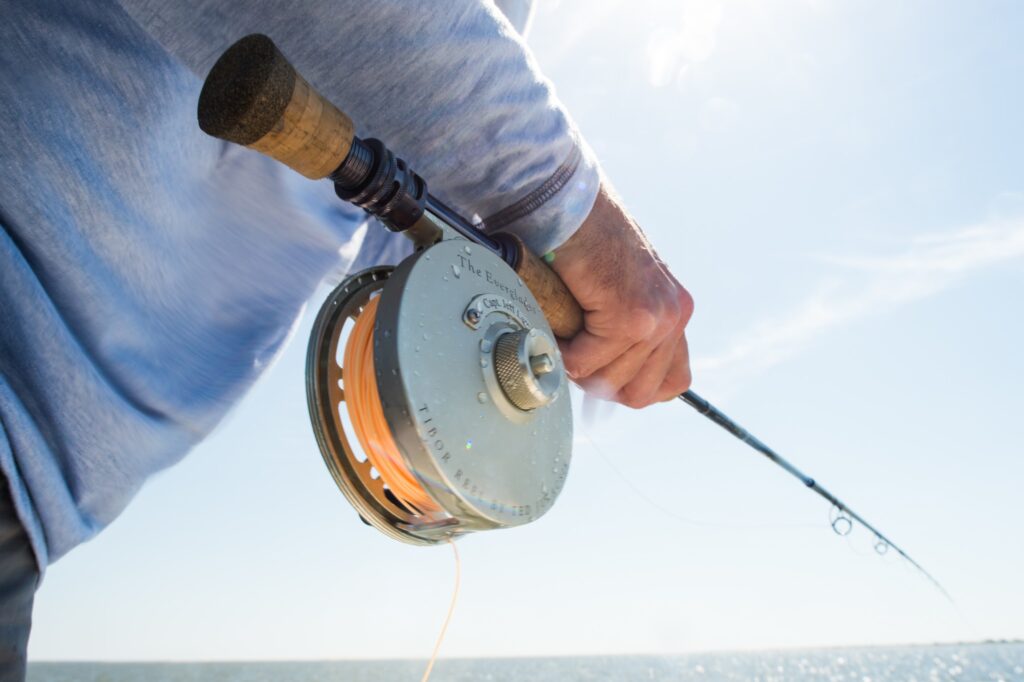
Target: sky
(839,185)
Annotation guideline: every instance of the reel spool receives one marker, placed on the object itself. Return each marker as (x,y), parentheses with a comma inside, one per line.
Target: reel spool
(470,390)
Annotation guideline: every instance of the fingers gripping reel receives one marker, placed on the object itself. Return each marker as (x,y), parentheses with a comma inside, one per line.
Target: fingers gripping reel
(471,396)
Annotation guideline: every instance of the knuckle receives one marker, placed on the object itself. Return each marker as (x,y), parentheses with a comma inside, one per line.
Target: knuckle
(685,301)
(674,312)
(677,382)
(634,396)
(631,401)
(639,324)
(665,322)
(683,382)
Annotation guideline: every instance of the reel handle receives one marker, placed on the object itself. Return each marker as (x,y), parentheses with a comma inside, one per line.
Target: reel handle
(254,97)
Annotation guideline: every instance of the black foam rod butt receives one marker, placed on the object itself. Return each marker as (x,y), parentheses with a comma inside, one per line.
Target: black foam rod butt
(247,91)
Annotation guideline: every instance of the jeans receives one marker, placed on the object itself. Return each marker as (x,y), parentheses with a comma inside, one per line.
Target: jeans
(19,577)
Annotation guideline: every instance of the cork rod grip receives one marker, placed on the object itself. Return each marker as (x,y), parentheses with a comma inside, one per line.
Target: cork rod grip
(560,308)
(254,97)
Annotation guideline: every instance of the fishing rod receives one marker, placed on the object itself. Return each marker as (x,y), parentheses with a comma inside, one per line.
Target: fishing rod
(435,388)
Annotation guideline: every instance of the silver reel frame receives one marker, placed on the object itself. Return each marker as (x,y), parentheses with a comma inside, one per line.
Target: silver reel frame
(451,391)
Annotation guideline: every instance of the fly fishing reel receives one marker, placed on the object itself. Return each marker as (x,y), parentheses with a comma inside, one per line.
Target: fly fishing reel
(473,420)
(436,390)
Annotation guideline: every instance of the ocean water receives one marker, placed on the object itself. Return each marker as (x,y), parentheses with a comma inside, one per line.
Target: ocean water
(969,662)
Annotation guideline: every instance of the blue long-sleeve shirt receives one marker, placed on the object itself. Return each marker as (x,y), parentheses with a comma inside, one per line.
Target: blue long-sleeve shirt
(149,273)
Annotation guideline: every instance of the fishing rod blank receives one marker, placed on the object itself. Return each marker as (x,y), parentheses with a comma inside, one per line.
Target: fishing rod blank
(714,414)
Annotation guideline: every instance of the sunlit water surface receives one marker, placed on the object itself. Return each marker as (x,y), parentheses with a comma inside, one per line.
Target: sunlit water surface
(975,662)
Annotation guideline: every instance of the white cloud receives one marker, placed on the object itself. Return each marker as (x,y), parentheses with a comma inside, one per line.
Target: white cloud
(689,38)
(869,286)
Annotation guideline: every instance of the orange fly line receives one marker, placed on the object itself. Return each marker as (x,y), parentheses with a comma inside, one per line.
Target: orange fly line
(368,421)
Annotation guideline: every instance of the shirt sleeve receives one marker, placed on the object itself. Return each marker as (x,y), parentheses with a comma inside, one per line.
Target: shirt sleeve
(449,86)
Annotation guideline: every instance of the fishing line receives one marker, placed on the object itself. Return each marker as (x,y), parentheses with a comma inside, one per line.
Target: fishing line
(368,421)
(374,435)
(675,515)
(451,610)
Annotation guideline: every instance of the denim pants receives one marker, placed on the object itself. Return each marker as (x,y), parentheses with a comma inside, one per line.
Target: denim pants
(19,576)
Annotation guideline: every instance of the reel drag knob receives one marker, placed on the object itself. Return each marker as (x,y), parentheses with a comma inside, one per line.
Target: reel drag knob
(528,368)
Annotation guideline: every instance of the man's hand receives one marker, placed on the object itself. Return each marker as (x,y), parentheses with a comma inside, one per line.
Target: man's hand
(632,348)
